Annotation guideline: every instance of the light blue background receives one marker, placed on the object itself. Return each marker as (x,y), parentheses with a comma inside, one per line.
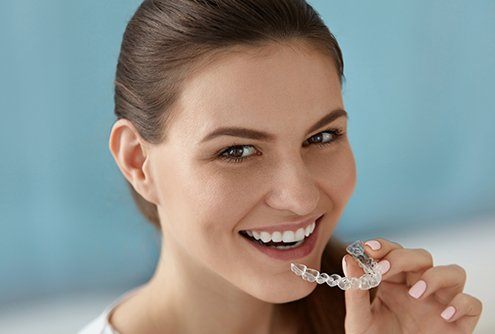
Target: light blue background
(419,92)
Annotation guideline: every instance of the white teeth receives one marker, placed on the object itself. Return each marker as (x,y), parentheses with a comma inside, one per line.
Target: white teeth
(265,236)
(299,234)
(285,236)
(309,229)
(276,236)
(288,236)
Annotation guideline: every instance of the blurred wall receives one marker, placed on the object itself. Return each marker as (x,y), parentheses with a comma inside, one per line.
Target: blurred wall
(419,92)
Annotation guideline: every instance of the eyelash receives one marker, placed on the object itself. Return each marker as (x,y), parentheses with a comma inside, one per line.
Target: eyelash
(336,133)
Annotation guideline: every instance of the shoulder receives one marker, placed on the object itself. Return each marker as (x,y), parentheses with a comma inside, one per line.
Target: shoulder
(101,324)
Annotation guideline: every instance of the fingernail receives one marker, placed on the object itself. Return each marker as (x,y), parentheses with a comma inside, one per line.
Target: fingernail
(448,312)
(344,266)
(374,244)
(417,289)
(384,266)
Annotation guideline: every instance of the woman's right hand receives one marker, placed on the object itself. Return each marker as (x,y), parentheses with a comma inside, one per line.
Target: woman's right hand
(413,297)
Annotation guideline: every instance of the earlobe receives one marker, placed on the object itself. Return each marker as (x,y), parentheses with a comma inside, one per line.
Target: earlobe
(131,156)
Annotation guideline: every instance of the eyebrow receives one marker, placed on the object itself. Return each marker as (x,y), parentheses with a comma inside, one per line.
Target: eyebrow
(261,135)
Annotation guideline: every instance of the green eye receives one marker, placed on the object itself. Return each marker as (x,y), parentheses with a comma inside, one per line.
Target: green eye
(234,154)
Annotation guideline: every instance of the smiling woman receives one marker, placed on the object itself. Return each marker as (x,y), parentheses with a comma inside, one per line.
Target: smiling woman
(231,133)
(260,97)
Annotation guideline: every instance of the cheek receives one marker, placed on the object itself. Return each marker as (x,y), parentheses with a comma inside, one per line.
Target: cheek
(337,174)
(208,201)
(231,192)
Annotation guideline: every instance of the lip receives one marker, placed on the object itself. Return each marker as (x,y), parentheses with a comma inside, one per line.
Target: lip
(288,226)
(290,254)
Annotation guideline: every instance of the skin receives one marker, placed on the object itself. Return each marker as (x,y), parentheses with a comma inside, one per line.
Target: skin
(394,309)
(208,278)
(206,267)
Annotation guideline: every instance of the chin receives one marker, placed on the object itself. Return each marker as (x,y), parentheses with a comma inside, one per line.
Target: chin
(284,293)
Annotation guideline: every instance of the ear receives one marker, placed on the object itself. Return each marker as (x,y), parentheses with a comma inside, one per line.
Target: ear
(131,153)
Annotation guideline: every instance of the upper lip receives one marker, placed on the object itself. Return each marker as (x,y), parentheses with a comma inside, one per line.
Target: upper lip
(293,226)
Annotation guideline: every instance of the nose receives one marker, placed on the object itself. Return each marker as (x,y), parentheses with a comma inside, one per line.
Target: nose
(293,188)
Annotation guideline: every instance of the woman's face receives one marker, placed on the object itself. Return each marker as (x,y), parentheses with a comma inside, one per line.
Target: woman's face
(205,200)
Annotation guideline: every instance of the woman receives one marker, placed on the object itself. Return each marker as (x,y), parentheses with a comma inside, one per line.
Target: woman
(230,128)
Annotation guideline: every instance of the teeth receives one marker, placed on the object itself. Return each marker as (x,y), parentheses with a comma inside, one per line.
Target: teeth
(265,236)
(300,234)
(309,229)
(288,247)
(276,236)
(288,236)
(285,236)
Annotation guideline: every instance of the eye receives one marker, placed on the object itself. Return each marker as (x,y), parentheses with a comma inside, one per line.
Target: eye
(234,154)
(327,137)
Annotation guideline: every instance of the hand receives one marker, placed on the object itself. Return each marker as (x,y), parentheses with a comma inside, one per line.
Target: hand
(412,296)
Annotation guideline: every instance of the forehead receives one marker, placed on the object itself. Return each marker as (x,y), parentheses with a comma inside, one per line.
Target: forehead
(261,88)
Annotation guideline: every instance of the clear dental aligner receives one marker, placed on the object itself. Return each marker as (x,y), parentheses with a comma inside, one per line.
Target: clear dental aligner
(370,279)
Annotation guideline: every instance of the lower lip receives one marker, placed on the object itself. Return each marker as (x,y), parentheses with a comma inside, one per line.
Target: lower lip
(293,253)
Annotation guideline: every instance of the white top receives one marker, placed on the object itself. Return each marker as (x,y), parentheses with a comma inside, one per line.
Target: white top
(101,325)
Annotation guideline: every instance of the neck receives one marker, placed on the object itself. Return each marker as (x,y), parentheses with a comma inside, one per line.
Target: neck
(185,297)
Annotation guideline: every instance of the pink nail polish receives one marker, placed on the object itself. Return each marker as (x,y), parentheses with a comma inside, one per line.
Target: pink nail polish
(374,244)
(448,312)
(344,266)
(384,266)
(418,289)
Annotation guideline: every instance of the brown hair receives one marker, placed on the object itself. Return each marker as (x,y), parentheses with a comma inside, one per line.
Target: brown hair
(167,40)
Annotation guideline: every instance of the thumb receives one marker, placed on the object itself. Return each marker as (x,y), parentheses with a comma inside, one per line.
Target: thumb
(357,302)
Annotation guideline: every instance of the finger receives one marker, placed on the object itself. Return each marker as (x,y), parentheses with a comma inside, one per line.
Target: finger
(444,281)
(465,310)
(405,260)
(357,302)
(378,248)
